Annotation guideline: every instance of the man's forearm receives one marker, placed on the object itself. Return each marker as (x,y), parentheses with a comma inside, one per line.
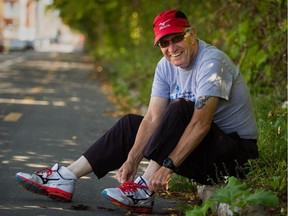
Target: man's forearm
(190,139)
(196,130)
(144,133)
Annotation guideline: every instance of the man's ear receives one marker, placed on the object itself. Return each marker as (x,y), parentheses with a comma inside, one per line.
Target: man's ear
(193,33)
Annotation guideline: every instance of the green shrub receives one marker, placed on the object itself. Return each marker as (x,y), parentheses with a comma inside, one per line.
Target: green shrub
(238,196)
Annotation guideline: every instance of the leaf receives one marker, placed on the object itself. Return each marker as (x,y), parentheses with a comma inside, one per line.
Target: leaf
(260,57)
(263,197)
(231,192)
(200,210)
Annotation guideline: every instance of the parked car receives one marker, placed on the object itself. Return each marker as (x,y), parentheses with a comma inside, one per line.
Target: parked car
(29,45)
(20,45)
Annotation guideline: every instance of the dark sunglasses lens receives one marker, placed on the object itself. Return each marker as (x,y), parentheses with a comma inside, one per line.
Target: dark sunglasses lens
(164,43)
(177,38)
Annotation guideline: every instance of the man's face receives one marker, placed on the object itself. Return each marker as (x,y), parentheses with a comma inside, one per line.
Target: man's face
(179,53)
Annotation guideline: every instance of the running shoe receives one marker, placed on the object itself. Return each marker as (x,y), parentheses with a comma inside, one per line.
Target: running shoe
(57,183)
(133,196)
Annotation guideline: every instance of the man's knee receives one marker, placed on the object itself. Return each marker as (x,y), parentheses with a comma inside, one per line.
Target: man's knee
(130,121)
(126,117)
(181,105)
(131,117)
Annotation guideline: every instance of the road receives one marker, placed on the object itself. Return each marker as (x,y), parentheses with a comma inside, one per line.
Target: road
(51,111)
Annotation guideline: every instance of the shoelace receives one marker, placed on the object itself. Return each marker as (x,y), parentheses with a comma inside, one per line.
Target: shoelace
(130,187)
(45,172)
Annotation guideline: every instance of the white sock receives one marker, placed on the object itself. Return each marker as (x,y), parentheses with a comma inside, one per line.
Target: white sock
(141,180)
(67,173)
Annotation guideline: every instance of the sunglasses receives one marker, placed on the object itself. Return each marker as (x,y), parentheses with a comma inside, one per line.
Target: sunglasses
(176,39)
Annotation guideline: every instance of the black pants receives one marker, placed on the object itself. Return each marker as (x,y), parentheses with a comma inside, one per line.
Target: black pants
(218,155)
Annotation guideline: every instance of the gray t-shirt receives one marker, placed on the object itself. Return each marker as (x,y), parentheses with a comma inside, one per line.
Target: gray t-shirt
(211,73)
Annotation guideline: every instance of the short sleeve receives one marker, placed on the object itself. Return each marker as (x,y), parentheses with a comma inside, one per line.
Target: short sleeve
(215,79)
(160,86)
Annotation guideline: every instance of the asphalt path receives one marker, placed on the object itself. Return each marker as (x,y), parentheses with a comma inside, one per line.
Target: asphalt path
(51,111)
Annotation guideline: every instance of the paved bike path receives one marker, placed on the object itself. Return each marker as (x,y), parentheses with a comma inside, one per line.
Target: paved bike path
(51,111)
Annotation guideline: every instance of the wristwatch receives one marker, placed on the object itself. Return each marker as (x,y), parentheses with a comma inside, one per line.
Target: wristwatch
(168,163)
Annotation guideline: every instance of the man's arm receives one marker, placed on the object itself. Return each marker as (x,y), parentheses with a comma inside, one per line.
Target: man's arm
(194,133)
(156,109)
(196,130)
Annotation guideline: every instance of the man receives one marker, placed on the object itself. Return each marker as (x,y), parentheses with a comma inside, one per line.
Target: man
(199,124)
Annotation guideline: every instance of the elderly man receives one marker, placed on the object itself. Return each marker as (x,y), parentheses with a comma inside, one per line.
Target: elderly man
(199,124)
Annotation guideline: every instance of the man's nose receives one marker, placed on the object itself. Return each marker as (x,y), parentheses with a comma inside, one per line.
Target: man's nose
(171,47)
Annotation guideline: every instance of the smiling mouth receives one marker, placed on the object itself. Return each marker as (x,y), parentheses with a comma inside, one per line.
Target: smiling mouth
(176,54)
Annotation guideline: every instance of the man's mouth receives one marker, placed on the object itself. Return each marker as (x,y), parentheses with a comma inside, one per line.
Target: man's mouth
(176,54)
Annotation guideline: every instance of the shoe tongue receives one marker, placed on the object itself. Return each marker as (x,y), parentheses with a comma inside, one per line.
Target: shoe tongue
(141,180)
(55,167)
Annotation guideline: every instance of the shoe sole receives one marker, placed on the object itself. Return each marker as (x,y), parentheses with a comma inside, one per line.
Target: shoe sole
(134,209)
(52,193)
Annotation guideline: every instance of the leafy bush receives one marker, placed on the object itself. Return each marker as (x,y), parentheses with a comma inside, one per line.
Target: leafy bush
(179,183)
(270,170)
(238,196)
(252,32)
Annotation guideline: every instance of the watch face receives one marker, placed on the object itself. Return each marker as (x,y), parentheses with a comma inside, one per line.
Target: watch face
(168,163)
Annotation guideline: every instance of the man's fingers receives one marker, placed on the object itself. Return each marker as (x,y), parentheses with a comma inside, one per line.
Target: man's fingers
(119,175)
(123,177)
(157,186)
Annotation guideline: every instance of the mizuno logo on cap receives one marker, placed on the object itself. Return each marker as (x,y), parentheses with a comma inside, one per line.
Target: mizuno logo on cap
(164,24)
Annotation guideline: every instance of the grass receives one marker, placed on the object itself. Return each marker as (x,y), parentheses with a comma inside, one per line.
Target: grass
(269,171)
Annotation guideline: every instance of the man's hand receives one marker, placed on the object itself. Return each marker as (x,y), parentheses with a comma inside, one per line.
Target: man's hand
(126,172)
(159,181)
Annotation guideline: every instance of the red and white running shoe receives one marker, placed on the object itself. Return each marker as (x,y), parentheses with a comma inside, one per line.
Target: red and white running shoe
(57,183)
(133,196)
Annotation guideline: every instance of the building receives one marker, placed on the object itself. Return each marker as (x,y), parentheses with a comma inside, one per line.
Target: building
(25,21)
(18,19)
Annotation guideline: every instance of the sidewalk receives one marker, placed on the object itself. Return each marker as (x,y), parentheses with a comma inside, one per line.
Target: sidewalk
(73,116)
